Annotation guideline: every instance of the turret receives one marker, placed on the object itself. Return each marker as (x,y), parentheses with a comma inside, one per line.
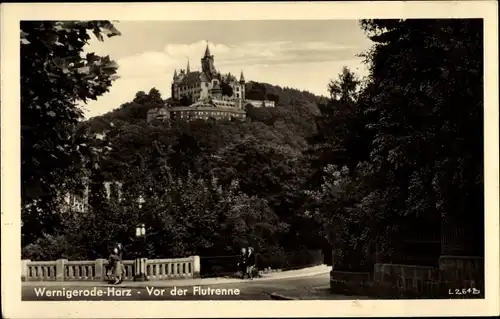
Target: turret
(242,78)
(175,74)
(207,52)
(188,69)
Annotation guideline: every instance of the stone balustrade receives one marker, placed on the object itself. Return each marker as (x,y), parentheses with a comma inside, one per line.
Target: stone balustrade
(65,270)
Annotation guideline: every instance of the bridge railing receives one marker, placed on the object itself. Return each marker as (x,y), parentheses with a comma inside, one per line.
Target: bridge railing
(163,269)
(87,270)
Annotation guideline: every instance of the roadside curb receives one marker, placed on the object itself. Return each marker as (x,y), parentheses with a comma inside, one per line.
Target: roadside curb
(276,296)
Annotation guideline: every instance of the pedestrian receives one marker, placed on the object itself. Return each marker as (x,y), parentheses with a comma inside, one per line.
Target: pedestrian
(242,265)
(250,262)
(121,266)
(114,266)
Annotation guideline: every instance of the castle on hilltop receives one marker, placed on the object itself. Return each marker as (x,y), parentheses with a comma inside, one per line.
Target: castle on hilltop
(206,94)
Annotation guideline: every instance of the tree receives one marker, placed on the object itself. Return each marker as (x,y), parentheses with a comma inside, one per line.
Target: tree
(200,179)
(227,89)
(405,142)
(350,215)
(341,138)
(55,78)
(426,111)
(185,100)
(137,110)
(345,87)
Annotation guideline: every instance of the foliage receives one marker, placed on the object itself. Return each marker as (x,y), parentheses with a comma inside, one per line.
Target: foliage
(185,100)
(384,160)
(281,96)
(227,90)
(345,88)
(55,77)
(428,154)
(416,167)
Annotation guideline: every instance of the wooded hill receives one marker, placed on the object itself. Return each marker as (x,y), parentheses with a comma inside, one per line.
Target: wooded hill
(387,161)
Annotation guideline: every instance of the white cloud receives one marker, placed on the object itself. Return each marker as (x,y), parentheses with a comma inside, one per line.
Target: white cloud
(272,62)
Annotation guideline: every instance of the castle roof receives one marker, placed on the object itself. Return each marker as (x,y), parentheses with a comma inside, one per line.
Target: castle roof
(229,77)
(207,51)
(191,78)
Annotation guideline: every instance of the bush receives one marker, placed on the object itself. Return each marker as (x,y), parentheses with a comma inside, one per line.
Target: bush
(47,248)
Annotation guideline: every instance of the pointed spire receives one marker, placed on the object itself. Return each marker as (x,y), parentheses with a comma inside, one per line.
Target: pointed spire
(242,78)
(188,69)
(175,73)
(207,51)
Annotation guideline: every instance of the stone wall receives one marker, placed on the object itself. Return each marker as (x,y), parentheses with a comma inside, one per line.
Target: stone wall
(410,281)
(407,277)
(466,271)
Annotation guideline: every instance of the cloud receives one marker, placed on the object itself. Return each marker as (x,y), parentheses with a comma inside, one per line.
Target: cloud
(305,66)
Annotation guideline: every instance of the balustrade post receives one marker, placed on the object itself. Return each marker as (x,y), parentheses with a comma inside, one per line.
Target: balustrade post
(196,266)
(100,271)
(24,269)
(60,263)
(140,269)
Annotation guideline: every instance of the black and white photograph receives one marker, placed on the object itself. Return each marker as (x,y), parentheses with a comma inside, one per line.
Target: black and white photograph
(187,157)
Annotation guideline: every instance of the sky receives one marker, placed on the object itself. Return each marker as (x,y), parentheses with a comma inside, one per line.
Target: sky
(302,54)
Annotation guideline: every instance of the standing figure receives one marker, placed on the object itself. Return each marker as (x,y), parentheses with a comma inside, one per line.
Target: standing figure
(242,265)
(250,262)
(120,264)
(114,266)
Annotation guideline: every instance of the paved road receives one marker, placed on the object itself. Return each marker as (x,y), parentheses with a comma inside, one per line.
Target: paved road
(311,287)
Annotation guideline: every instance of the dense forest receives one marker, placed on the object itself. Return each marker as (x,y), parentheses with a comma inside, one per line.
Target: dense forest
(370,164)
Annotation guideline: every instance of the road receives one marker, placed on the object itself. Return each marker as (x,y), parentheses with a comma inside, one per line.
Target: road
(311,287)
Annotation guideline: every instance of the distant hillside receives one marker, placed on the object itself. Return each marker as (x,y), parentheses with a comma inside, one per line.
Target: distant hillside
(136,110)
(282,96)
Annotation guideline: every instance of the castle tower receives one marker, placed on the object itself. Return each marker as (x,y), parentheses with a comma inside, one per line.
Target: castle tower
(207,63)
(242,85)
(242,78)
(174,85)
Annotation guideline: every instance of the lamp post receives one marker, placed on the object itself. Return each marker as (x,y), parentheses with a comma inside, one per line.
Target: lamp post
(140,263)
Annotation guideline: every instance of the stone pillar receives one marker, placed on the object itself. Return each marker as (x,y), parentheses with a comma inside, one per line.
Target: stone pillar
(140,269)
(60,263)
(196,266)
(100,271)
(24,269)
